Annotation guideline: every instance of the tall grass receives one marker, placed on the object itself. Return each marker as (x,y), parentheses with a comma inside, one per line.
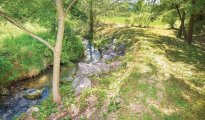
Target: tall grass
(22,56)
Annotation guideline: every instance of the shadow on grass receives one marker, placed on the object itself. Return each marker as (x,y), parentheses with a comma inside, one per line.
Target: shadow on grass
(188,104)
(179,51)
(176,50)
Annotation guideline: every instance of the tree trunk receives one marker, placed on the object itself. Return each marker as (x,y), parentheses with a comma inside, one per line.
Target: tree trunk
(179,35)
(57,52)
(180,18)
(182,28)
(183,25)
(91,22)
(190,31)
(91,28)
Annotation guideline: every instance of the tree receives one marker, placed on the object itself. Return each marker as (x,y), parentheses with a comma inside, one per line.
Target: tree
(170,18)
(92,9)
(187,10)
(61,13)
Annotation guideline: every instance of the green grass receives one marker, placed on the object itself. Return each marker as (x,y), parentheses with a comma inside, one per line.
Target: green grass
(163,76)
(23,56)
(115,20)
(157,23)
(123,20)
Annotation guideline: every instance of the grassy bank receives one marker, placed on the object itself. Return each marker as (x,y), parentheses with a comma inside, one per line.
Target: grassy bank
(128,21)
(23,57)
(161,77)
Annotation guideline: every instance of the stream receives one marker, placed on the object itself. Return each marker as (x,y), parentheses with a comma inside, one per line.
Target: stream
(14,104)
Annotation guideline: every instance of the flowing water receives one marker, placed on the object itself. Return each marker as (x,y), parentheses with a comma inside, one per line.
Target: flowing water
(91,53)
(15,104)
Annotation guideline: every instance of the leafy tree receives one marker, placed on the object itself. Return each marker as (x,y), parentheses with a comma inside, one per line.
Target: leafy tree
(22,11)
(170,18)
(187,10)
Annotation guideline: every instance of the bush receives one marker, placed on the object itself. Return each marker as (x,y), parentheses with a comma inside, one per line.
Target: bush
(72,46)
(170,18)
(142,19)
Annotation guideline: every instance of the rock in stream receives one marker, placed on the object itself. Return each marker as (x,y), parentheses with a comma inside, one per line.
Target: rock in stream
(32,94)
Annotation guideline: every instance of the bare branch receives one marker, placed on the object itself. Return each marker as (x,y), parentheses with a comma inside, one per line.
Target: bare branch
(69,6)
(7,17)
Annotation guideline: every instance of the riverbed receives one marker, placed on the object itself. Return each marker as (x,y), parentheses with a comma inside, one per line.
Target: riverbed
(14,104)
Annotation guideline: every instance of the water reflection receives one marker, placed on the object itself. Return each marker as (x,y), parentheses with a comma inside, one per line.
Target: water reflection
(11,106)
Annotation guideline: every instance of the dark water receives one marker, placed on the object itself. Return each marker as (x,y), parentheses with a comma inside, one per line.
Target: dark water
(91,53)
(14,105)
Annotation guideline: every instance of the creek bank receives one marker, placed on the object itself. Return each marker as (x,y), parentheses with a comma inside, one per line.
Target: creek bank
(15,104)
(100,66)
(82,81)
(97,66)
(106,64)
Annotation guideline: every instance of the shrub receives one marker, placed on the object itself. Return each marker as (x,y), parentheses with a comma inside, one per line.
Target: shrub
(170,18)
(142,19)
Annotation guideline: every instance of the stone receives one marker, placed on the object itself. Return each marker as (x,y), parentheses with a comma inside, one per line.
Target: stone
(121,49)
(114,41)
(92,68)
(4,91)
(115,65)
(88,69)
(32,109)
(102,66)
(111,49)
(67,79)
(80,84)
(32,94)
(107,57)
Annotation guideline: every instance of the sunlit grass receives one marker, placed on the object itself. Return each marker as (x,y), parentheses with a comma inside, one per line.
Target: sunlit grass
(115,20)
(24,57)
(122,20)
(8,30)
(163,73)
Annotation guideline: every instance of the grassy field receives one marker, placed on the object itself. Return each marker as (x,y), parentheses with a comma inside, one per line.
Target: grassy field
(122,20)
(163,78)
(116,20)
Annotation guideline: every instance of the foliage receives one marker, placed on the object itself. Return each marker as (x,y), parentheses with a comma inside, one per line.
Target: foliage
(170,18)
(25,57)
(113,106)
(72,47)
(45,109)
(142,19)
(100,93)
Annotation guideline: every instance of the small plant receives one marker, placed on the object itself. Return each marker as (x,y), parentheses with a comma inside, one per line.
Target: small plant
(46,109)
(113,106)
(102,95)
